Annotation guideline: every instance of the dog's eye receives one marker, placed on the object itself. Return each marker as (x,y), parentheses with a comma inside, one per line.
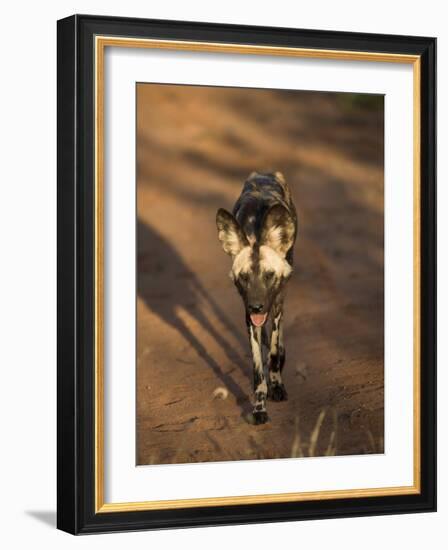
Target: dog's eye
(244,277)
(269,275)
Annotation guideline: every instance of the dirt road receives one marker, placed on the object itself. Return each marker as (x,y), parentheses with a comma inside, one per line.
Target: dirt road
(195,147)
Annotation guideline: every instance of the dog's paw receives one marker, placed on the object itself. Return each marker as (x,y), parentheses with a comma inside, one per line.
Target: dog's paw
(278,393)
(260,417)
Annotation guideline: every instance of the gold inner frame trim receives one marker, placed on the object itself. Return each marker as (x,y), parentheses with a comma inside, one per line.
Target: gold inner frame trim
(101,42)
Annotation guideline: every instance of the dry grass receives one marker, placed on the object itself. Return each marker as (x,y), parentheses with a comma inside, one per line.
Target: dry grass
(302,447)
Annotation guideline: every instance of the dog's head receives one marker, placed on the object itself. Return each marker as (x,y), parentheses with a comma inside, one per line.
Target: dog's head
(259,269)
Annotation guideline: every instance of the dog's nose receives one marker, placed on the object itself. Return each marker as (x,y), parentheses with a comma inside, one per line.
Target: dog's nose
(256,308)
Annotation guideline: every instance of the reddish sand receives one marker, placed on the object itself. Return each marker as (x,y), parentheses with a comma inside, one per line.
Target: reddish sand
(194,374)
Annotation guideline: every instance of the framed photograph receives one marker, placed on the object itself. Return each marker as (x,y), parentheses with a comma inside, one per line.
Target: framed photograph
(246,274)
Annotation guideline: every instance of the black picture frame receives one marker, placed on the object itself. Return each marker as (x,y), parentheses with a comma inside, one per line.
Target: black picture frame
(76,397)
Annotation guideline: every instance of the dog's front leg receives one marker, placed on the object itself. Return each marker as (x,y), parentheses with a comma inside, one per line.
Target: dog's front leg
(277,391)
(260,386)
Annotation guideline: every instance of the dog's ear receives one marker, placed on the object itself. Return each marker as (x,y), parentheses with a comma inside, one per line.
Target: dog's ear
(278,229)
(230,234)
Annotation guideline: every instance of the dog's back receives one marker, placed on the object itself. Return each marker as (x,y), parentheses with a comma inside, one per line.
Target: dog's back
(261,191)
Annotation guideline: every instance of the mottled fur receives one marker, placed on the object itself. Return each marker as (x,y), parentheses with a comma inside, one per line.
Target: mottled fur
(259,235)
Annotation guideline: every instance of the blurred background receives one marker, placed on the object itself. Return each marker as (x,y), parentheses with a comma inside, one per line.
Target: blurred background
(195,147)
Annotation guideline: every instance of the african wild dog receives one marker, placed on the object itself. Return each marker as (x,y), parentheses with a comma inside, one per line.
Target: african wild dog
(259,236)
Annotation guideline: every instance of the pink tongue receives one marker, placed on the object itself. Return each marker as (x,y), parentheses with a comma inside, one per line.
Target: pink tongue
(258,319)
